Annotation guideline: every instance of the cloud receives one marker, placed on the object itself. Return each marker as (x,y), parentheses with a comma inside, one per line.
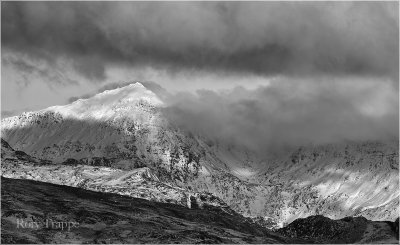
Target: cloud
(26,68)
(11,113)
(265,38)
(290,113)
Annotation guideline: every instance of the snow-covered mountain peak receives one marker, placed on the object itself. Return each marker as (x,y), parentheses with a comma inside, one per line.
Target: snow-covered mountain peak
(133,89)
(112,103)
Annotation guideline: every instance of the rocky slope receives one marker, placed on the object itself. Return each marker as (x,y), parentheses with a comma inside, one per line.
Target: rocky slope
(125,130)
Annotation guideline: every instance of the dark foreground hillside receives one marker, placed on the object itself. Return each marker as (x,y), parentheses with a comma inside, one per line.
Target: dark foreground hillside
(37,212)
(31,211)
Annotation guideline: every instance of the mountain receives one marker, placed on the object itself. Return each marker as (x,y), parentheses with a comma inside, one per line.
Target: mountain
(122,128)
(124,132)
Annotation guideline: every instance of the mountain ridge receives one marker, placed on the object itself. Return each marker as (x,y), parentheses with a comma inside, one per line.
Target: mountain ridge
(135,135)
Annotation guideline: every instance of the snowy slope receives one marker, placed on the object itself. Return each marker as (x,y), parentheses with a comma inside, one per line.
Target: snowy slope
(338,180)
(139,183)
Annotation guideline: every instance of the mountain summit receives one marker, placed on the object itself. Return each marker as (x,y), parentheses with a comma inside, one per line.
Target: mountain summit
(111,104)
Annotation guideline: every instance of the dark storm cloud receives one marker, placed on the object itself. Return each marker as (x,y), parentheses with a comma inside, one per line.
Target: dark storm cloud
(242,37)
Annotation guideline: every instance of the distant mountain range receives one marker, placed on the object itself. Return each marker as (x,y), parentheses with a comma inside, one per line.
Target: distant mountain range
(121,141)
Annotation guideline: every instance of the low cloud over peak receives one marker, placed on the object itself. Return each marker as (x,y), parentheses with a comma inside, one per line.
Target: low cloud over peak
(290,113)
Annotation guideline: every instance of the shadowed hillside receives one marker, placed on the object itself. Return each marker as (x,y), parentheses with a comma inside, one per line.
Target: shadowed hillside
(110,218)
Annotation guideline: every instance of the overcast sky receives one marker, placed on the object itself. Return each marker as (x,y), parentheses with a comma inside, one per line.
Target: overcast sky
(294,62)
